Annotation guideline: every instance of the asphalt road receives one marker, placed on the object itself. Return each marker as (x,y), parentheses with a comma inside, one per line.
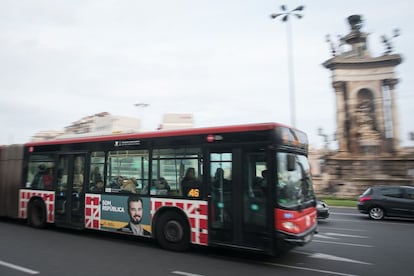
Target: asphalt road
(348,243)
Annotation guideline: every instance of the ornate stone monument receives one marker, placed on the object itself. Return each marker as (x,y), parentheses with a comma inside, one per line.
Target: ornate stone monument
(367,123)
(364,86)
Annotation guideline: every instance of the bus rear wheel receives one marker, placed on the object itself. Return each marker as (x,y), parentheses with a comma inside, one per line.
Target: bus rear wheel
(173,232)
(37,214)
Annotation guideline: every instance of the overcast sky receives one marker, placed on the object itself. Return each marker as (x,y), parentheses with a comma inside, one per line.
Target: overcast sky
(224,61)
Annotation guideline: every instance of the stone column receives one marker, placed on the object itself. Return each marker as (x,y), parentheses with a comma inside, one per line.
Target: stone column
(340,116)
(395,125)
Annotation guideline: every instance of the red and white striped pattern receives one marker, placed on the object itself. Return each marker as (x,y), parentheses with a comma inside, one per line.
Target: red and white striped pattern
(48,198)
(92,211)
(196,211)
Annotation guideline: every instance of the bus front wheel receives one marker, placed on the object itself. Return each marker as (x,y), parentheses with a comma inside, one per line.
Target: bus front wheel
(173,232)
(37,214)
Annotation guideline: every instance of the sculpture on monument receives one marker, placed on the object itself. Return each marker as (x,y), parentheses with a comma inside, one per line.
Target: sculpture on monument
(365,119)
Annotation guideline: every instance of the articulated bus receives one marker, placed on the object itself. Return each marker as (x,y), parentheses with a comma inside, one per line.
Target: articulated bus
(246,187)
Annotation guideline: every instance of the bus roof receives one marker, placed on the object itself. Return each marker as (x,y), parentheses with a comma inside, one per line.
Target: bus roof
(160,133)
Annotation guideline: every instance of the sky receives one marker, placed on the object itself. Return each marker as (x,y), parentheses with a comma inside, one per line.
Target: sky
(225,62)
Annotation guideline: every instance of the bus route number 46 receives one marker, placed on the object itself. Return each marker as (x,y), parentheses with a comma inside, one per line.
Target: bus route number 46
(194,193)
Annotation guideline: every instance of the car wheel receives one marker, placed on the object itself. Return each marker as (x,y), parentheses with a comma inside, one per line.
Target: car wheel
(376,213)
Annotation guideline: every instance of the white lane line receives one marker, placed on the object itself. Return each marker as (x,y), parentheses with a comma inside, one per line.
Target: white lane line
(348,220)
(345,243)
(336,258)
(311,269)
(347,214)
(343,229)
(185,273)
(20,268)
(320,236)
(346,235)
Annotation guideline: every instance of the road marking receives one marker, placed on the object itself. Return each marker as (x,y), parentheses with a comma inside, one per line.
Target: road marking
(349,220)
(336,258)
(185,273)
(346,235)
(324,237)
(310,269)
(20,268)
(346,214)
(344,229)
(344,243)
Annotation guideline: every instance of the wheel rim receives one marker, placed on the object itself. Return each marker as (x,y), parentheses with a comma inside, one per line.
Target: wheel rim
(376,213)
(173,231)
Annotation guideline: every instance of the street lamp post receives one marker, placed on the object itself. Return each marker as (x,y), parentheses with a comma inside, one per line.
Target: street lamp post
(285,14)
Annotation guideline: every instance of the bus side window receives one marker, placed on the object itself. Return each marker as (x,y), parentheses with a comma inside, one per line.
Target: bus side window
(127,171)
(180,168)
(96,180)
(41,172)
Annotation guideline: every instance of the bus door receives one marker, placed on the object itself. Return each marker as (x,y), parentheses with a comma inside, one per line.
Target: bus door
(70,192)
(240,214)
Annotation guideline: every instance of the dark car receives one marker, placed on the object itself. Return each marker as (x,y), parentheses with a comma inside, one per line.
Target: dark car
(322,209)
(387,201)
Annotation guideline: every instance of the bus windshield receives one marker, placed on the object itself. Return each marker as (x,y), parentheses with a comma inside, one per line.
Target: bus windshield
(294,185)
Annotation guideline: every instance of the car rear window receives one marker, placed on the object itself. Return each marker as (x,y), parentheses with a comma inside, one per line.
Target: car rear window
(367,192)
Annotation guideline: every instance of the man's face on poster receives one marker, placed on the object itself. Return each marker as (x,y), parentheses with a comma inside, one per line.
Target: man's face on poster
(135,211)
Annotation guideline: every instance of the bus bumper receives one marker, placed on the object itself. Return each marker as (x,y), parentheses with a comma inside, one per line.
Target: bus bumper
(297,239)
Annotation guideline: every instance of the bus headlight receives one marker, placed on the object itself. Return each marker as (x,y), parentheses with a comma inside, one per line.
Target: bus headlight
(290,226)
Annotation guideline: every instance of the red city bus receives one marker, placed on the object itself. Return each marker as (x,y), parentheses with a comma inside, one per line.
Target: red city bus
(246,187)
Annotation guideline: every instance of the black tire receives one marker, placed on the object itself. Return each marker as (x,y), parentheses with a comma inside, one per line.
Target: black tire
(36,214)
(173,232)
(282,248)
(376,213)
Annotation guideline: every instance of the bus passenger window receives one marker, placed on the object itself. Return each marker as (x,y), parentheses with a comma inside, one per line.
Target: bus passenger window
(127,171)
(97,164)
(179,170)
(41,172)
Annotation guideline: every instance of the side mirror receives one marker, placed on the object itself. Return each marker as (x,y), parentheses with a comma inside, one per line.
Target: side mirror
(291,162)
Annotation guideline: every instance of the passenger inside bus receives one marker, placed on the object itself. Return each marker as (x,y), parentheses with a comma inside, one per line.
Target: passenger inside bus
(189,183)
(98,187)
(48,179)
(219,182)
(160,187)
(117,183)
(129,186)
(265,181)
(95,176)
(222,193)
(37,182)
